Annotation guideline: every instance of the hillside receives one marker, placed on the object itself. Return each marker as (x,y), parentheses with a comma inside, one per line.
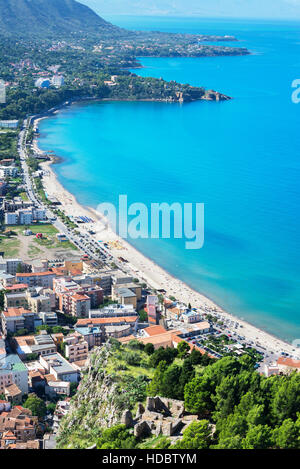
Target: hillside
(132,396)
(51,17)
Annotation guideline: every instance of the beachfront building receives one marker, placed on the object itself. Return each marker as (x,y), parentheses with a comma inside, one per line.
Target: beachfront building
(152,305)
(8,171)
(288,365)
(9,124)
(190,317)
(24,216)
(124,295)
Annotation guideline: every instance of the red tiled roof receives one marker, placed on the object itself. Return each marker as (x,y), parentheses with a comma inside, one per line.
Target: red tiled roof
(17,286)
(36,274)
(288,362)
(96,321)
(155,330)
(11,312)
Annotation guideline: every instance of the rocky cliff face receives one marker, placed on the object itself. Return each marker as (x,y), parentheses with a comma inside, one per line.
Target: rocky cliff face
(108,387)
(93,407)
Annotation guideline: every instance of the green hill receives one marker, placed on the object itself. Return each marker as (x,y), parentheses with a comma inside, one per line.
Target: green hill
(51,18)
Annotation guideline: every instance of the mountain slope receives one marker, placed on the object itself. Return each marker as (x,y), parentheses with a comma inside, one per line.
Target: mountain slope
(51,17)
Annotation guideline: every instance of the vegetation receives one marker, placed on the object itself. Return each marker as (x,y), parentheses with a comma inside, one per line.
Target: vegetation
(236,407)
(36,405)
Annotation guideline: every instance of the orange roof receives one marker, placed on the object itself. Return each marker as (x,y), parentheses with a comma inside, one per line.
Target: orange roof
(288,362)
(36,274)
(79,297)
(9,435)
(11,312)
(155,330)
(17,286)
(95,321)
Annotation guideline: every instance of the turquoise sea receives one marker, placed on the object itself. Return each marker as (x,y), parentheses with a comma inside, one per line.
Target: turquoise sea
(241,158)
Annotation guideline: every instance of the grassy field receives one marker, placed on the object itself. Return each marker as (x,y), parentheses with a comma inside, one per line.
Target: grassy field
(10,246)
(30,247)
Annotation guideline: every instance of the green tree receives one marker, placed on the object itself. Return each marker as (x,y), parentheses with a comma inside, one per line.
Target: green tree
(258,437)
(36,405)
(183,349)
(196,436)
(154,387)
(170,385)
(117,437)
(287,436)
(149,349)
(197,395)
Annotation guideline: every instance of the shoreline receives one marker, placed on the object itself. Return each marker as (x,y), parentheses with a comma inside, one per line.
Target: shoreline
(143,267)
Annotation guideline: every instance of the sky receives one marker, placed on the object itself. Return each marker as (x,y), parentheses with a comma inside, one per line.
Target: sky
(207,8)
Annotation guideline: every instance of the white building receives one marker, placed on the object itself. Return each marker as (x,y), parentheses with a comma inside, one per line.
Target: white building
(11,218)
(9,124)
(13,371)
(8,171)
(10,266)
(57,81)
(25,217)
(62,370)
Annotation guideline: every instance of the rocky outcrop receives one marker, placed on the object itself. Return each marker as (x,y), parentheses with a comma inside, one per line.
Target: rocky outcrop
(93,407)
(211,95)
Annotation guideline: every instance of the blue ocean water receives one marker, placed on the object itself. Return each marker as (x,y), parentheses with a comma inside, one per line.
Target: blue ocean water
(240,158)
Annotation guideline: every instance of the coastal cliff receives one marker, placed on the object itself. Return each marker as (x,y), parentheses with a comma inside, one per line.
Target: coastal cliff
(107,389)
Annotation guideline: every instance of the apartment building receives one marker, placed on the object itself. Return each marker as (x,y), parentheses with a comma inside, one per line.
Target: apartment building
(76,347)
(15,319)
(37,279)
(59,367)
(13,371)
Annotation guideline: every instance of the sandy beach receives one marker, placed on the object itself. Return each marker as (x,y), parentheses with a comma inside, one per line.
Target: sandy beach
(145,269)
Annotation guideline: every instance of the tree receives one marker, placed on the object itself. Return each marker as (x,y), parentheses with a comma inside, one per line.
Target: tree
(143,316)
(154,388)
(36,405)
(258,437)
(163,354)
(187,374)
(287,436)
(149,349)
(170,385)
(196,436)
(196,357)
(183,349)
(117,437)
(197,395)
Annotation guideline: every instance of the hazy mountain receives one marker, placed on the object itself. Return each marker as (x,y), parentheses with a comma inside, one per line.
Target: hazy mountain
(44,17)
